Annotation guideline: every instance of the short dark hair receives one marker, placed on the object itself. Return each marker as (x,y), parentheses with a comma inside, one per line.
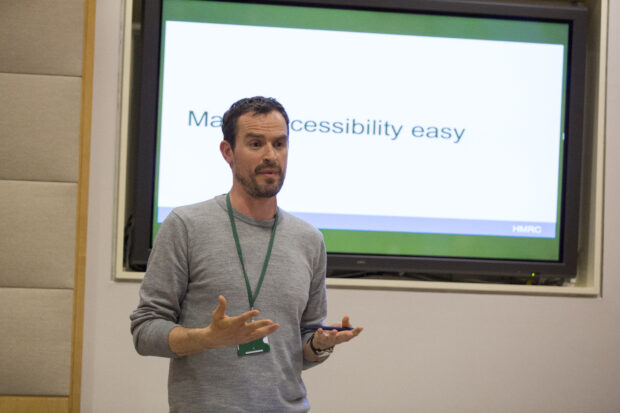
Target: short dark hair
(257,104)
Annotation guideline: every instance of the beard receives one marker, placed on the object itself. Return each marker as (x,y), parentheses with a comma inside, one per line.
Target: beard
(267,190)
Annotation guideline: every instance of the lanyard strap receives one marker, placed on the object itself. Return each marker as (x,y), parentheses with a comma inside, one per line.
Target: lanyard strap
(251,297)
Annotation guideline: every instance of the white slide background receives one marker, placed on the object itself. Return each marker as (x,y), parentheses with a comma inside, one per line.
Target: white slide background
(504,97)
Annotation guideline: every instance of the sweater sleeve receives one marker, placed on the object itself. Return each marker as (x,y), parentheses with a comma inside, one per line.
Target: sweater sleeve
(162,290)
(316,310)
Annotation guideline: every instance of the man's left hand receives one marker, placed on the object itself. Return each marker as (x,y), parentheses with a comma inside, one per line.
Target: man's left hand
(324,339)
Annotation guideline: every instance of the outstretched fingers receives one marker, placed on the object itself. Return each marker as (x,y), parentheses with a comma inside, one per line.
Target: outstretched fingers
(329,338)
(220,311)
(246,326)
(262,328)
(247,316)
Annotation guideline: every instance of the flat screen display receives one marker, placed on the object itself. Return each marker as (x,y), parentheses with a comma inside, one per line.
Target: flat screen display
(412,134)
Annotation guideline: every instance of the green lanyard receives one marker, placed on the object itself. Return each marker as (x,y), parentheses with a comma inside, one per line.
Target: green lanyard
(251,297)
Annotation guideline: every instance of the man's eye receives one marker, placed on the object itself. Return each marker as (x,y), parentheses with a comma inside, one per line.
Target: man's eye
(255,144)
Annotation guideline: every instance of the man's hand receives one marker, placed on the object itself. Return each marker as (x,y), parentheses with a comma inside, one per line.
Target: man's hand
(223,331)
(329,338)
(324,339)
(229,331)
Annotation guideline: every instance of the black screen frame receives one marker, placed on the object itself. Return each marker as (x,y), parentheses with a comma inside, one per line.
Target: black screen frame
(144,130)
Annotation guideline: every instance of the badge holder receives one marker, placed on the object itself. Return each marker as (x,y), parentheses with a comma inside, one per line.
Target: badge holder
(253,347)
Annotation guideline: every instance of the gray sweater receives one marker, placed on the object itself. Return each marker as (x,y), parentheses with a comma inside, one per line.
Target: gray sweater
(193,261)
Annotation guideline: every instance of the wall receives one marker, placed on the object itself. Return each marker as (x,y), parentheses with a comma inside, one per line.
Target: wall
(421,351)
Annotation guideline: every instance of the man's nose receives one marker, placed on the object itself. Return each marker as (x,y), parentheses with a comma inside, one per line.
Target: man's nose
(270,152)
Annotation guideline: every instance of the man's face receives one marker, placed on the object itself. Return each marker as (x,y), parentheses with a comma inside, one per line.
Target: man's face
(258,161)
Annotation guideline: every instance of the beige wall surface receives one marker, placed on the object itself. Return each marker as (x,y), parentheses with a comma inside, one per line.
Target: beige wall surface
(421,351)
(36,359)
(39,127)
(41,37)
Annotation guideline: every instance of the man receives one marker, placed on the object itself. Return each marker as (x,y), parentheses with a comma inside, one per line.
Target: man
(238,254)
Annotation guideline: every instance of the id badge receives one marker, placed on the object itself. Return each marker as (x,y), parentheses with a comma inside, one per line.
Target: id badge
(253,347)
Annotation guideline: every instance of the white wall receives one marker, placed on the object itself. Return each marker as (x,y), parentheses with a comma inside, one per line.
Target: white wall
(421,351)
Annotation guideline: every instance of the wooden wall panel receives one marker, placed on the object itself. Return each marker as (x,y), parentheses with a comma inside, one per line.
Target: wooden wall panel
(46,72)
(41,37)
(15,404)
(35,341)
(38,234)
(39,127)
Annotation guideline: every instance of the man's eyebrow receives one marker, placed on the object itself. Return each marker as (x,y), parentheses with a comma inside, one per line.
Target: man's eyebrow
(261,136)
(254,135)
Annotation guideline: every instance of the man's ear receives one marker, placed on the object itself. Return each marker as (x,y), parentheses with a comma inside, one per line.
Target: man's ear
(227,151)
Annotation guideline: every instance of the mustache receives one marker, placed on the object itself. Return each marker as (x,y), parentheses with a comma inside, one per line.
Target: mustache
(268,165)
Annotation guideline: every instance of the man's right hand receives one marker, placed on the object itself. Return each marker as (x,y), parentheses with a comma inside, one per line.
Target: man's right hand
(223,331)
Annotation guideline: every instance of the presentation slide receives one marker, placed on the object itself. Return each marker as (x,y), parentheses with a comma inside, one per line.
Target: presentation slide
(388,132)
